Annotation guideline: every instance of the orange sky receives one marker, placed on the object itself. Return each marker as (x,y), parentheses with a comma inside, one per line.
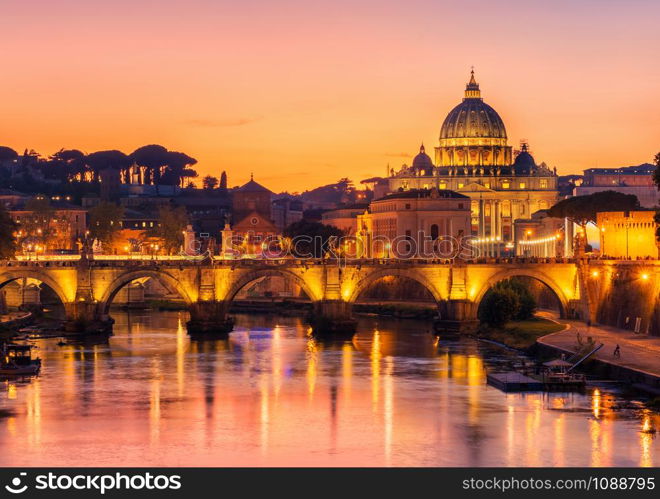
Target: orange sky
(303,93)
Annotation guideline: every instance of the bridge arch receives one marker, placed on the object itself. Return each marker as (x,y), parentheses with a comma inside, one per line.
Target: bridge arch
(367,280)
(125,278)
(254,275)
(60,291)
(534,274)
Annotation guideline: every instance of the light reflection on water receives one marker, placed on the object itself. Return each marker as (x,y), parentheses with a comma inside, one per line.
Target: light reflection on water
(393,396)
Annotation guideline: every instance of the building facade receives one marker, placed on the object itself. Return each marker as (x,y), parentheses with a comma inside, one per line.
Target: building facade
(345,218)
(542,236)
(48,226)
(473,158)
(628,234)
(412,223)
(637,180)
(253,225)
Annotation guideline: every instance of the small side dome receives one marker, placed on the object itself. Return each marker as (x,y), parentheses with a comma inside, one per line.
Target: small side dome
(422,163)
(524,163)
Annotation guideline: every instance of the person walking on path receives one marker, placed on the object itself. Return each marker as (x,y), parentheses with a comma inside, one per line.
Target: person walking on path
(617,352)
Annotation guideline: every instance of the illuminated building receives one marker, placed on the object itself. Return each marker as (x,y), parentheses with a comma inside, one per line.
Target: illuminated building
(628,234)
(474,159)
(345,217)
(541,236)
(637,180)
(58,227)
(252,217)
(409,223)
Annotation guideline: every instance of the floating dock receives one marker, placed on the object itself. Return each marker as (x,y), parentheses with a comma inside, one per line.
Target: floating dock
(514,382)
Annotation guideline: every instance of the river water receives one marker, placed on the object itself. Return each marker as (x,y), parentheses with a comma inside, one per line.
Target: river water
(272,396)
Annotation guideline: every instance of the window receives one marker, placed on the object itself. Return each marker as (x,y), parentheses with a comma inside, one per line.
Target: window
(544,183)
(434,232)
(487,185)
(506,185)
(522,185)
(442,185)
(506,208)
(460,185)
(407,206)
(460,206)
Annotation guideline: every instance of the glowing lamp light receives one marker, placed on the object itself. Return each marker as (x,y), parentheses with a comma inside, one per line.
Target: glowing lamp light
(645,277)
(594,273)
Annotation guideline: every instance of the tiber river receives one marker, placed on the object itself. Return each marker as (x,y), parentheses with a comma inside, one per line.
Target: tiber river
(272,396)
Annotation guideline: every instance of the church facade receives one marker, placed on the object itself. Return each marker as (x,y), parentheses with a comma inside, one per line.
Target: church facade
(473,158)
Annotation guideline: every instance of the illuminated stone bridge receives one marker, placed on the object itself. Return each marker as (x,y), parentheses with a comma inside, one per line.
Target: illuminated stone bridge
(87,287)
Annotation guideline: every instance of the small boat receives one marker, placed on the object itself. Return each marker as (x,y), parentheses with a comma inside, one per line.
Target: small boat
(17,360)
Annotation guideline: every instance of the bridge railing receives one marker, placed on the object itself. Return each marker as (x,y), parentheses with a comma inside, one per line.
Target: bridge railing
(180,260)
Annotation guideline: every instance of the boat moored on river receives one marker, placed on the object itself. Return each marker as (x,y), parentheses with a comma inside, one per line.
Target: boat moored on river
(17,360)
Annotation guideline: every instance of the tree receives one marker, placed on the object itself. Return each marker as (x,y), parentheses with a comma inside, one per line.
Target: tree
(152,159)
(102,160)
(343,191)
(499,306)
(584,209)
(223,181)
(507,300)
(178,168)
(7,229)
(209,182)
(171,224)
(105,221)
(311,239)
(526,302)
(7,154)
(66,165)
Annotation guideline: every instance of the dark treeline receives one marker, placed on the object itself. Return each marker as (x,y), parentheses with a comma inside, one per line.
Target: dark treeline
(75,172)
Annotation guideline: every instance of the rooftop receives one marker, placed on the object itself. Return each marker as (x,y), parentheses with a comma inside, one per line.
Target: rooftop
(424,193)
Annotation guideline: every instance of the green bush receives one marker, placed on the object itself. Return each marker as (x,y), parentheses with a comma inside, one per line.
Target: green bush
(526,302)
(507,300)
(499,306)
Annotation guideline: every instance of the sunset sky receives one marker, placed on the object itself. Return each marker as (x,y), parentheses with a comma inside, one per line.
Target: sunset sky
(306,92)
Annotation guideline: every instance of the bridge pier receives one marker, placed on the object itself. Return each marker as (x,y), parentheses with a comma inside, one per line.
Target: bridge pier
(209,317)
(82,316)
(332,317)
(456,316)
